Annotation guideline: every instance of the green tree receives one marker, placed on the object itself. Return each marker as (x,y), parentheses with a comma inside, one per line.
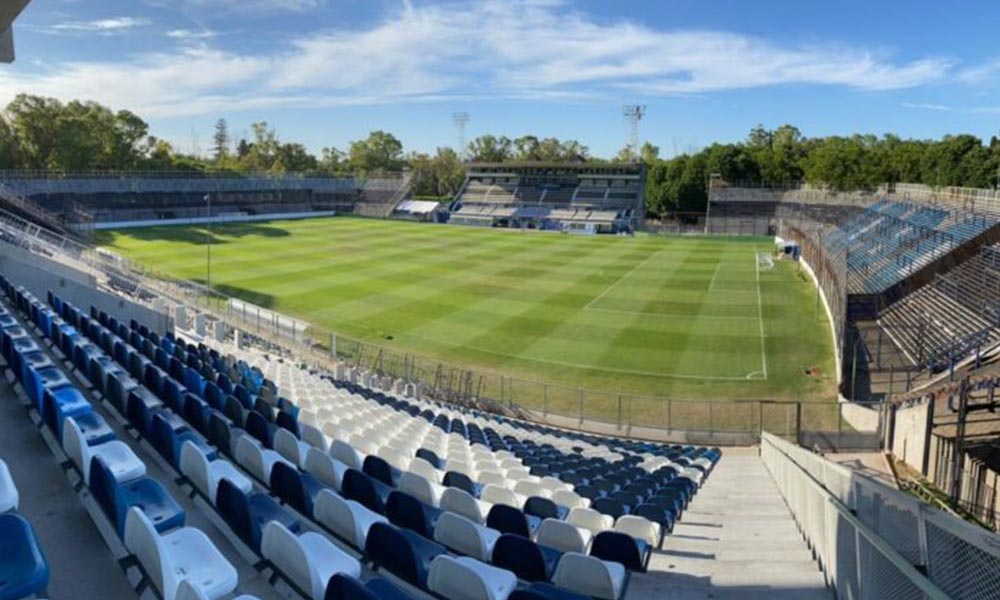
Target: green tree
(489,148)
(220,141)
(380,151)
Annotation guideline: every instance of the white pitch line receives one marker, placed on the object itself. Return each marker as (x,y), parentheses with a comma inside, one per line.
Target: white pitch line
(711,284)
(620,279)
(655,314)
(760,313)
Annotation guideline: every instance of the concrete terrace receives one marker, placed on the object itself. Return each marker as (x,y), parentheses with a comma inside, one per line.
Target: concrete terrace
(737,540)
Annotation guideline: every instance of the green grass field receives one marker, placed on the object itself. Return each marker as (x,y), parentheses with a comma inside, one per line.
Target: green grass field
(689,318)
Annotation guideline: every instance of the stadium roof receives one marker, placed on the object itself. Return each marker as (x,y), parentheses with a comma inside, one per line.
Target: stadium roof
(9,9)
(593,167)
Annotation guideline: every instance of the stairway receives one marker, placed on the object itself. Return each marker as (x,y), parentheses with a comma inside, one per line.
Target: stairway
(30,210)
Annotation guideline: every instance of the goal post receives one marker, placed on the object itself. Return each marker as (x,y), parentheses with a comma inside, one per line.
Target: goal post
(765,261)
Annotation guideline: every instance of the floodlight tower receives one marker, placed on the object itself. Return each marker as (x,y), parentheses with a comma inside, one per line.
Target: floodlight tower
(633,113)
(461,119)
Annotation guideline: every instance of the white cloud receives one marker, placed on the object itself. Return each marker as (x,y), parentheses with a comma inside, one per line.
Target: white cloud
(190,34)
(487,49)
(103,26)
(240,6)
(926,106)
(980,73)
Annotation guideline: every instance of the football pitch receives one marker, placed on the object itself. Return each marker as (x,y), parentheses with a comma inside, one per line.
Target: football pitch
(684,317)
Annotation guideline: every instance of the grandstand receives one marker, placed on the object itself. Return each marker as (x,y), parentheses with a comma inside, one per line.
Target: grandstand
(577,198)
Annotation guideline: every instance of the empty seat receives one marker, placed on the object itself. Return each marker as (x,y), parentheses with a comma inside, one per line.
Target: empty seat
(308,560)
(115,499)
(183,554)
(122,461)
(508,519)
(258,461)
(465,537)
(205,475)
(246,514)
(466,578)
(346,454)
(563,536)
(344,587)
(289,446)
(543,508)
(421,488)
(500,495)
(523,557)
(403,510)
(347,519)
(621,548)
(590,519)
(403,553)
(569,499)
(295,489)
(168,433)
(362,488)
(640,528)
(9,498)
(461,502)
(23,568)
(590,576)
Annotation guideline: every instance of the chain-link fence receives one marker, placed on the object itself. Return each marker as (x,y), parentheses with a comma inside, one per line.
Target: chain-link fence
(874,541)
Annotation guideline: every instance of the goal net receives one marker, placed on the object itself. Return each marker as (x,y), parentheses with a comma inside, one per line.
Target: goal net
(765,261)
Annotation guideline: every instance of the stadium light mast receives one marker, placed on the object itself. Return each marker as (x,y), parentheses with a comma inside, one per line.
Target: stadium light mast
(633,113)
(461,119)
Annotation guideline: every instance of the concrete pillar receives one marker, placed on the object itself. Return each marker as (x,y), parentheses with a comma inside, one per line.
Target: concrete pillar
(199,324)
(340,371)
(221,330)
(180,316)
(238,338)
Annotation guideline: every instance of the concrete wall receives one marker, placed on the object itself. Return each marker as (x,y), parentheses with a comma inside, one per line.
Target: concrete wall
(909,437)
(235,218)
(41,275)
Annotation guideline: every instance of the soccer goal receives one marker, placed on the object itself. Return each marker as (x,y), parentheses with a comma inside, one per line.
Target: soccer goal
(765,261)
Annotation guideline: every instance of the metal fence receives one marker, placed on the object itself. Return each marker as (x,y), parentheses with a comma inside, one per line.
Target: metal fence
(873,541)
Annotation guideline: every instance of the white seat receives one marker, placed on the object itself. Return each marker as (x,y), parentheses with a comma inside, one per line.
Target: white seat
(570,499)
(257,460)
(590,519)
(313,436)
(463,503)
(466,578)
(346,454)
(124,464)
(348,519)
(590,576)
(186,591)
(394,457)
(495,494)
(465,537)
(9,498)
(183,554)
(640,528)
(426,470)
(205,476)
(420,488)
(563,536)
(492,477)
(290,447)
(530,488)
(309,560)
(324,467)
(554,484)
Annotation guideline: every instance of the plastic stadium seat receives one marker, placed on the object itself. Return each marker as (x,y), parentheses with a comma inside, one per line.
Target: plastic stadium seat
(590,576)
(590,519)
(569,499)
(461,502)
(379,469)
(507,519)
(621,548)
(403,510)
(430,457)
(139,409)
(563,536)
(362,488)
(314,437)
(167,436)
(342,587)
(403,553)
(347,519)
(246,514)
(260,428)
(183,554)
(23,570)
(545,591)
(466,578)
(122,461)
(640,528)
(9,498)
(609,506)
(146,494)
(420,487)
(205,474)
(523,557)
(462,482)
(325,468)
(465,537)
(296,489)
(291,447)
(257,461)
(346,454)
(419,466)
(308,560)
(543,508)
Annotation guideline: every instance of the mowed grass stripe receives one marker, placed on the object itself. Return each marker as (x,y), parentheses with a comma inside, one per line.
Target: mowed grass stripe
(512,303)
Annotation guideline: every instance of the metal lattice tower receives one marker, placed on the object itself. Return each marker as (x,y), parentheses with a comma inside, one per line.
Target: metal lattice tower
(633,113)
(461,119)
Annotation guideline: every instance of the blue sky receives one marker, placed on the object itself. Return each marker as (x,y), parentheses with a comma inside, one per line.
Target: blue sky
(325,72)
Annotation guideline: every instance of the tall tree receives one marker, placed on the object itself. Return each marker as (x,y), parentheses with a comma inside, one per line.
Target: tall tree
(220,141)
(379,152)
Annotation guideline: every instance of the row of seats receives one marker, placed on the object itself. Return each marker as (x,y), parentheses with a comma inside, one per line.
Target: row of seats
(23,568)
(283,476)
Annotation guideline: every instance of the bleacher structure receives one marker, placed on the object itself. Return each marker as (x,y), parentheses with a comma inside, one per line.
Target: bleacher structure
(577,198)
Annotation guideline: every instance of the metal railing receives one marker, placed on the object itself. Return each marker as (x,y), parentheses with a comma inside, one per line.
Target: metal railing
(873,541)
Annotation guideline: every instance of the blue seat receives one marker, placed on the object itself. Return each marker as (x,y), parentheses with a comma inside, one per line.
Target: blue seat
(33,361)
(543,508)
(462,482)
(168,434)
(345,587)
(523,557)
(363,489)
(380,470)
(657,513)
(172,393)
(285,420)
(37,381)
(431,457)
(507,519)
(621,548)
(260,428)
(545,591)
(220,432)
(403,510)
(403,553)
(63,402)
(147,494)
(140,407)
(23,570)
(298,490)
(195,412)
(247,514)
(609,506)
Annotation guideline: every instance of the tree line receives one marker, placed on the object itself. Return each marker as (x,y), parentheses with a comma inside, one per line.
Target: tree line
(38,133)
